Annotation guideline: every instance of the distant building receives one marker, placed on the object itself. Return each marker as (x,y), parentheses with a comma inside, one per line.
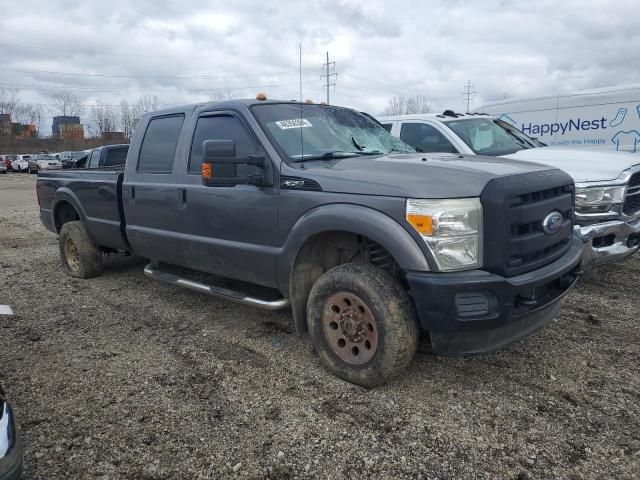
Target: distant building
(63,120)
(23,130)
(113,136)
(71,131)
(5,124)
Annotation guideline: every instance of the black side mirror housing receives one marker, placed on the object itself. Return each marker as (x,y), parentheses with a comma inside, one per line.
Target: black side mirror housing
(219,165)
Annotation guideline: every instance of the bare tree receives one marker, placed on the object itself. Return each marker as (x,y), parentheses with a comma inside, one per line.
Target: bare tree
(67,104)
(104,118)
(147,103)
(127,118)
(8,100)
(221,95)
(401,105)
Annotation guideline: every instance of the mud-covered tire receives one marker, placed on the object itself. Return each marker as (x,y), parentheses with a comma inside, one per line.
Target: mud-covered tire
(384,300)
(80,256)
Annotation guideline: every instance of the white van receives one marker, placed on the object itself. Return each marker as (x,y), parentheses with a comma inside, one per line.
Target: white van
(606,118)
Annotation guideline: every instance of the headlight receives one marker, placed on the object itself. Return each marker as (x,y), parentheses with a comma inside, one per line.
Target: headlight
(452,229)
(598,199)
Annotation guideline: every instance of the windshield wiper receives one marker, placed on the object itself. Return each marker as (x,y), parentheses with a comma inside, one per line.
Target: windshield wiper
(356,144)
(328,156)
(521,141)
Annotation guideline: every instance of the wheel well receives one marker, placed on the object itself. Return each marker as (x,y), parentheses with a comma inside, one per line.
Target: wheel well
(324,251)
(64,212)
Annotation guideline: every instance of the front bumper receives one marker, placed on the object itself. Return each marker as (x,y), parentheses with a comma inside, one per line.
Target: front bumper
(10,445)
(475,312)
(609,242)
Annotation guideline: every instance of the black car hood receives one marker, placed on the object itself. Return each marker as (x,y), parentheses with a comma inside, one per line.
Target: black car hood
(413,175)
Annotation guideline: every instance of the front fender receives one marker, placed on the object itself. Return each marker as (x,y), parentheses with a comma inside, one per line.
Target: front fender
(357,219)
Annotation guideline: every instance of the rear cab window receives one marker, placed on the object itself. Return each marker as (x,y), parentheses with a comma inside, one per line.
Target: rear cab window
(159,144)
(115,156)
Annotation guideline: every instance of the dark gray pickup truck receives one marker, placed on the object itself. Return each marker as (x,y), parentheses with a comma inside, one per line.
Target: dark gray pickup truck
(318,208)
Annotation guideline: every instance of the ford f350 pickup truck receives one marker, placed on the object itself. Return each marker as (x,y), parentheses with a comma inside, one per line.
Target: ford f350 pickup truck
(368,242)
(607,183)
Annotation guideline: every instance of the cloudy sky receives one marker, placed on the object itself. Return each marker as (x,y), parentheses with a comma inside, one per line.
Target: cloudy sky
(187,51)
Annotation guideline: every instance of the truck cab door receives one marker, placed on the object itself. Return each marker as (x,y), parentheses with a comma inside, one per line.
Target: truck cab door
(228,230)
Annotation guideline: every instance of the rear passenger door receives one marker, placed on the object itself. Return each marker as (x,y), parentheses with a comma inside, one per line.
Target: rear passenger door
(150,192)
(426,138)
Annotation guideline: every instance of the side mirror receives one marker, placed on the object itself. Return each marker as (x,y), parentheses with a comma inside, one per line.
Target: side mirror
(220,165)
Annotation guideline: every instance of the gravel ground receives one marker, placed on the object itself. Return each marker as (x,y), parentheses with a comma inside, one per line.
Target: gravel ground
(119,377)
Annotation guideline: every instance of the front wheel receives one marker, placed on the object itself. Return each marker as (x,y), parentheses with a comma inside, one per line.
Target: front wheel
(362,323)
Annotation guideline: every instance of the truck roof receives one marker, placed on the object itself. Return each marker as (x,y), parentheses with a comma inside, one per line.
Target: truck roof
(246,102)
(446,116)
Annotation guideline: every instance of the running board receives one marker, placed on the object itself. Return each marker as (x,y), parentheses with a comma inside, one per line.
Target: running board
(225,293)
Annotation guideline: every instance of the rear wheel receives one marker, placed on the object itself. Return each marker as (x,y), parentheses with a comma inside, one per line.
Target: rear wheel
(362,323)
(81,257)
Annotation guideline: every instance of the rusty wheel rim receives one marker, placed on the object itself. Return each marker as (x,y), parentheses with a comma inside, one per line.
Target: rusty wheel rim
(72,255)
(350,328)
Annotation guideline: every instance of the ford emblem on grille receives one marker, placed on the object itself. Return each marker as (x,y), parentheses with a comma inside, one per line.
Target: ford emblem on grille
(552,222)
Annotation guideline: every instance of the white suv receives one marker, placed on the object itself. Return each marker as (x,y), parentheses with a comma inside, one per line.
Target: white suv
(607,183)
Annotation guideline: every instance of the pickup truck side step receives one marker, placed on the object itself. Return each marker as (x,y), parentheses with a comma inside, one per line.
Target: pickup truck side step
(214,291)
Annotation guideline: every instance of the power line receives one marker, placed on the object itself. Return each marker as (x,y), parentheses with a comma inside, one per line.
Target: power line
(103,75)
(162,90)
(469,93)
(141,55)
(328,75)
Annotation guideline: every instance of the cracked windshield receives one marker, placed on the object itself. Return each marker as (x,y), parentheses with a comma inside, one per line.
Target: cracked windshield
(325,132)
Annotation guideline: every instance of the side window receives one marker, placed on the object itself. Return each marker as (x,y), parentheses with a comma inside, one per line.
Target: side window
(94,158)
(387,126)
(115,156)
(223,127)
(159,144)
(425,138)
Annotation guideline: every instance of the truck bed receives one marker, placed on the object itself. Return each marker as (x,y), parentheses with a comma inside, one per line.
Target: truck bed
(94,194)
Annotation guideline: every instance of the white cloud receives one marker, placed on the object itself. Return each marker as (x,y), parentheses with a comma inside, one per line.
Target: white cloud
(381,48)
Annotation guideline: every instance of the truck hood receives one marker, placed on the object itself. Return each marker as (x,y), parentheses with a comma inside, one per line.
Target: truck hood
(414,175)
(582,165)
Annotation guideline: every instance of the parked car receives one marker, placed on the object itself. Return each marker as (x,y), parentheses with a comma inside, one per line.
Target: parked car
(70,159)
(365,240)
(21,163)
(43,161)
(3,167)
(607,182)
(105,156)
(6,160)
(10,443)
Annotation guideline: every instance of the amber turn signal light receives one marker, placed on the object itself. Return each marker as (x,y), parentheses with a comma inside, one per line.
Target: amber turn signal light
(207,171)
(423,224)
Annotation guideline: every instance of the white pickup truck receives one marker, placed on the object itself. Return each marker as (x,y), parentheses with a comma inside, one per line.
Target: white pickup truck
(607,183)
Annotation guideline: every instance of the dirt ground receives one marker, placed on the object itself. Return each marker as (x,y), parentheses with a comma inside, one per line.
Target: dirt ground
(119,377)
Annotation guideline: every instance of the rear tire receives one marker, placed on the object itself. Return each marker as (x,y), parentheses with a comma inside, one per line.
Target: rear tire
(362,324)
(81,257)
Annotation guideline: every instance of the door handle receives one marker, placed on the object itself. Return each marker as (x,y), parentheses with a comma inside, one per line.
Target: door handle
(182,198)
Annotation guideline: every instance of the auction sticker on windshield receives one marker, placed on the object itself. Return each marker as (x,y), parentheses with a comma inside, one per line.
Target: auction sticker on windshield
(294,123)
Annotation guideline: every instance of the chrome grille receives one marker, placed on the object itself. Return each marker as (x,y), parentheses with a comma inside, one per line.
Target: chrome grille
(632,198)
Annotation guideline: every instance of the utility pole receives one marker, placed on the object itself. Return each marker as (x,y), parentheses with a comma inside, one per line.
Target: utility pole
(469,93)
(329,76)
